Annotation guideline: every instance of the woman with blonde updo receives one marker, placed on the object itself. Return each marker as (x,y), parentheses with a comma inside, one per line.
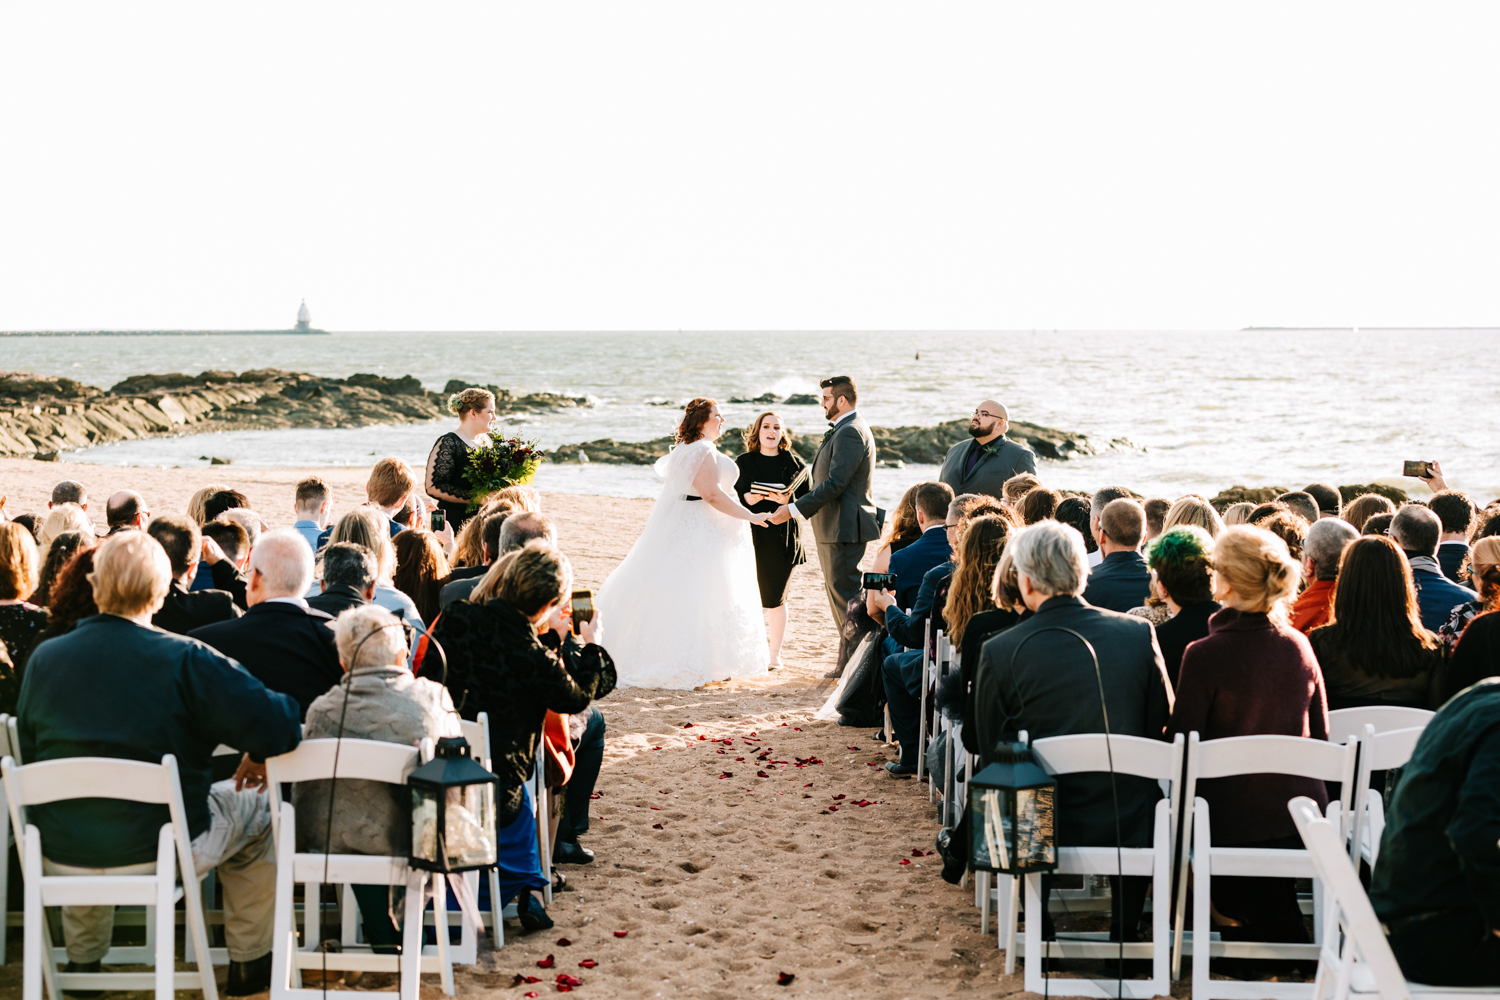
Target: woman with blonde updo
(1253,675)
(475,409)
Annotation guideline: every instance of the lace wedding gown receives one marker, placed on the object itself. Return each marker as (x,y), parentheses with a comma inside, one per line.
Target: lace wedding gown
(683,608)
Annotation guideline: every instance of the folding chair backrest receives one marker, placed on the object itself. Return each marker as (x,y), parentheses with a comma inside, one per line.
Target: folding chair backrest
(13,734)
(1325,845)
(1292,755)
(1350,722)
(366,760)
(89,778)
(1392,748)
(478,735)
(1133,755)
(5,750)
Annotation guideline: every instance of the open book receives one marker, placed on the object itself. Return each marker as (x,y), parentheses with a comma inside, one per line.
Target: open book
(757,487)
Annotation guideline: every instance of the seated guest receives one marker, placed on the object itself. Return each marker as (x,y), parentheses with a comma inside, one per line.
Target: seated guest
(1379,524)
(901,530)
(1181,561)
(125,511)
(1253,675)
(1288,526)
(1038,504)
(226,499)
(21,622)
(1326,541)
(1374,650)
(1438,882)
(69,491)
(1016,487)
(1238,513)
(1074,512)
(380,700)
(1265,511)
(366,526)
(1121,581)
(285,644)
(226,553)
(1477,654)
(198,502)
(31,522)
(1417,530)
(1459,617)
(1328,499)
(421,568)
(63,518)
(72,598)
(931,549)
(508,533)
(183,610)
(346,579)
(462,580)
(970,615)
(313,506)
(391,482)
(1156,517)
(1100,500)
(1049,687)
(984,463)
(1194,510)
(498,664)
(117,687)
(1365,506)
(1457,513)
(1302,504)
(245,518)
(469,558)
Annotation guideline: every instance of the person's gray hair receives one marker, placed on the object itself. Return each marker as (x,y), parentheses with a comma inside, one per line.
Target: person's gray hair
(346,564)
(1102,499)
(1052,556)
(524,526)
(283,558)
(1417,529)
(247,519)
(354,635)
(1325,544)
(69,491)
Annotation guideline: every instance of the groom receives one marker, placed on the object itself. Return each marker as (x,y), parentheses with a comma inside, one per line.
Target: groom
(839,505)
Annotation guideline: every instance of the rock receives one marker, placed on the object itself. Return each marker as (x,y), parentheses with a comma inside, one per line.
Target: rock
(406,385)
(149,383)
(765,397)
(215,460)
(45,456)
(1245,494)
(1394,494)
(611,452)
(508,402)
(801,399)
(23,385)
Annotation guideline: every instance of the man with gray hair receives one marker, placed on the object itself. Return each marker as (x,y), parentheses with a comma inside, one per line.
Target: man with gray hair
(1037,677)
(1321,552)
(1097,503)
(983,463)
(69,491)
(349,572)
(503,533)
(285,644)
(1418,530)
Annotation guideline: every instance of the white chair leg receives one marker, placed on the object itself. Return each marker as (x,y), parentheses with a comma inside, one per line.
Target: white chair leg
(1011,902)
(1202,919)
(982,897)
(411,947)
(4,870)
(440,929)
(283,921)
(35,951)
(166,914)
(497,912)
(349,924)
(1034,942)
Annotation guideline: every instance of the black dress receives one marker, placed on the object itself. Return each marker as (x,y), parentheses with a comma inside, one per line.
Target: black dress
(449,457)
(778,547)
(20,625)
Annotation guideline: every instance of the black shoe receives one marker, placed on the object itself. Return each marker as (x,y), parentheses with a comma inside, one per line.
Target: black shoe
(559,882)
(249,977)
(900,770)
(88,967)
(571,853)
(529,911)
(878,736)
(953,866)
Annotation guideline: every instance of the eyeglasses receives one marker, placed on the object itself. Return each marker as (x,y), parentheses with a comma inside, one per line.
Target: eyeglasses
(982,413)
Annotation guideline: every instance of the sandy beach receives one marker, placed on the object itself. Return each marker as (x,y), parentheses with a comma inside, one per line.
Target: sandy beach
(721,879)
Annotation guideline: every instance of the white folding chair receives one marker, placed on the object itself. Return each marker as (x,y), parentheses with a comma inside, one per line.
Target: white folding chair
(1130,755)
(1377,752)
(478,735)
(1364,966)
(15,753)
(926,675)
(1349,723)
(127,781)
(367,760)
(1288,755)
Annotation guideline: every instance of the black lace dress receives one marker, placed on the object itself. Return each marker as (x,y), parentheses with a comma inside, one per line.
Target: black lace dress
(20,625)
(449,458)
(778,547)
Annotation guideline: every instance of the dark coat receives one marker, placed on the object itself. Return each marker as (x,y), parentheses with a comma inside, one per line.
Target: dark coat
(112,688)
(460,584)
(1252,677)
(184,610)
(497,665)
(907,627)
(1052,690)
(1477,655)
(1451,556)
(1175,634)
(284,647)
(336,600)
(1120,582)
(840,505)
(912,563)
(1437,596)
(1001,459)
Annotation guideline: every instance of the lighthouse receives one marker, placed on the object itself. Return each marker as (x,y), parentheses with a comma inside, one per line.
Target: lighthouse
(304,319)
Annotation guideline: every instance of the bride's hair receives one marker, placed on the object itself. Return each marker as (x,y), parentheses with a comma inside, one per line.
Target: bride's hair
(752,433)
(694,416)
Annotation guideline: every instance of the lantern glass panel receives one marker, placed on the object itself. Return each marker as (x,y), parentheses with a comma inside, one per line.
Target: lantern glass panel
(1012,830)
(470,826)
(424,825)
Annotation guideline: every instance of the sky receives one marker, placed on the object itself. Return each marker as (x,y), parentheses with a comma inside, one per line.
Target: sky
(630,165)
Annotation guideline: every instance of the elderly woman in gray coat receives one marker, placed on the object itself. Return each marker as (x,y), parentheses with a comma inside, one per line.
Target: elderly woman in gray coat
(379,699)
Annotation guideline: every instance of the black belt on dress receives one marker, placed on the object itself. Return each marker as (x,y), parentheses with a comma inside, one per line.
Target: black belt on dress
(692,498)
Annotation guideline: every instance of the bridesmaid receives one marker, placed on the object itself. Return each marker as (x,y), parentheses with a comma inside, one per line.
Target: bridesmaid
(778,547)
(449,457)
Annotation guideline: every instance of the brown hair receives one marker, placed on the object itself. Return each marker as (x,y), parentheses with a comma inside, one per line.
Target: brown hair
(1193,509)
(1289,526)
(752,433)
(1124,521)
(978,555)
(468,547)
(311,490)
(932,499)
(472,398)
(63,548)
(389,481)
(420,570)
(902,527)
(1038,504)
(1374,623)
(1156,514)
(841,385)
(533,577)
(694,416)
(72,596)
(18,569)
(1365,506)
(1484,570)
(1257,566)
(1006,589)
(180,538)
(364,526)
(131,574)
(1018,486)
(199,499)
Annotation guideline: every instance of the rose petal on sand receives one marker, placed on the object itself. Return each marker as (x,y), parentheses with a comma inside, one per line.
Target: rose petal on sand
(726,774)
(520,979)
(567,980)
(531,993)
(587,963)
(621,933)
(655,809)
(564,943)
(796,729)
(740,760)
(702,737)
(596,795)
(905,862)
(873,763)
(864,802)
(546,963)
(688,725)
(785,978)
(837,797)
(808,785)
(833,809)
(656,748)
(656,826)
(761,774)
(781,724)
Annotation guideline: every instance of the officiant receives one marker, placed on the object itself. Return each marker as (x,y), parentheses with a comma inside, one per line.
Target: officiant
(771,474)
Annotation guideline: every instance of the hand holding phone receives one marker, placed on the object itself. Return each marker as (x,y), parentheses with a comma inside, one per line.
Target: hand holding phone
(1417,470)
(880,581)
(583,609)
(438,520)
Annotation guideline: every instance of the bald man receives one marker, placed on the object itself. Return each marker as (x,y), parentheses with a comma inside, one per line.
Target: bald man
(126,510)
(983,463)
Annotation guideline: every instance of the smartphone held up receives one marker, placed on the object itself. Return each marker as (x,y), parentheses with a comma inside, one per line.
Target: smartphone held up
(583,608)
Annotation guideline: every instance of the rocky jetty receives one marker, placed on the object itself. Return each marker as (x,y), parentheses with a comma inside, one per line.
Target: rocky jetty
(1265,494)
(895,445)
(40,416)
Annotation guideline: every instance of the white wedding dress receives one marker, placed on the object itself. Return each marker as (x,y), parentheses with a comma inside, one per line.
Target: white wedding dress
(683,608)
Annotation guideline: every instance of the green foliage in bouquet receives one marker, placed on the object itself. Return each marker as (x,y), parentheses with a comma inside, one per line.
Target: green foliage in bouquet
(508,461)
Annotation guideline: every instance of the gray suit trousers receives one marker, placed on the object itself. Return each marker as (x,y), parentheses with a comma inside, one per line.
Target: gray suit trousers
(841,576)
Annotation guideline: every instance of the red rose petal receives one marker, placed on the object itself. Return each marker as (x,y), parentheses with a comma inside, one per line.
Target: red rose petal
(796,729)
(874,763)
(761,774)
(531,994)
(702,737)
(530,979)
(855,749)
(655,809)
(726,774)
(785,978)
(596,795)
(546,963)
(587,963)
(837,797)
(905,862)
(564,988)
(781,724)
(621,933)
(833,809)
(864,802)
(656,826)
(656,748)
(568,980)
(564,943)
(752,732)
(688,725)
(740,760)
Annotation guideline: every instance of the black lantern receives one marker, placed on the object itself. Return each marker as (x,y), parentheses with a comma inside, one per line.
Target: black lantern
(1013,815)
(452,811)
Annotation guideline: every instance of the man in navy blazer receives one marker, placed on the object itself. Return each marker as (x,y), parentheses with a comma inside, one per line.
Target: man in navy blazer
(285,644)
(1122,580)
(1417,530)
(931,549)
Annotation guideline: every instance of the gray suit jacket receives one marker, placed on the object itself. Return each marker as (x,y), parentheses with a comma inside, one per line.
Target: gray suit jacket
(840,505)
(1011,458)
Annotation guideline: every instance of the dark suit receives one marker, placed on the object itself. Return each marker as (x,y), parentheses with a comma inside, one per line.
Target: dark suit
(912,563)
(1451,556)
(901,671)
(1175,634)
(997,462)
(1437,595)
(286,648)
(461,583)
(185,610)
(1121,582)
(841,508)
(336,600)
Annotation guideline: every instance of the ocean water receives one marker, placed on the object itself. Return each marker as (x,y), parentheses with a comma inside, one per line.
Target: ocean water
(1209,409)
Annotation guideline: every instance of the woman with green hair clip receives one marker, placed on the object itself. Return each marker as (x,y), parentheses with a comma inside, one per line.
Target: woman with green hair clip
(1181,561)
(445,482)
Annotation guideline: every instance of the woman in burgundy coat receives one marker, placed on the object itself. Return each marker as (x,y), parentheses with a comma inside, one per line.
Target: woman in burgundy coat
(1253,675)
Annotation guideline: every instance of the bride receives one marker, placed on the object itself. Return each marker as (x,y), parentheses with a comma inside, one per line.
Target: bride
(684,607)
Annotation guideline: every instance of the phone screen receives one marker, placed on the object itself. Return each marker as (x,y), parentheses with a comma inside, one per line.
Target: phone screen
(438,520)
(1417,470)
(583,608)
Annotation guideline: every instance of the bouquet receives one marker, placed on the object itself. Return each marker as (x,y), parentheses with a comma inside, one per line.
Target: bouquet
(508,461)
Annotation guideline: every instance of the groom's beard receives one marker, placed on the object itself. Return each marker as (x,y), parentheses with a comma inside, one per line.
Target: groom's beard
(975,430)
